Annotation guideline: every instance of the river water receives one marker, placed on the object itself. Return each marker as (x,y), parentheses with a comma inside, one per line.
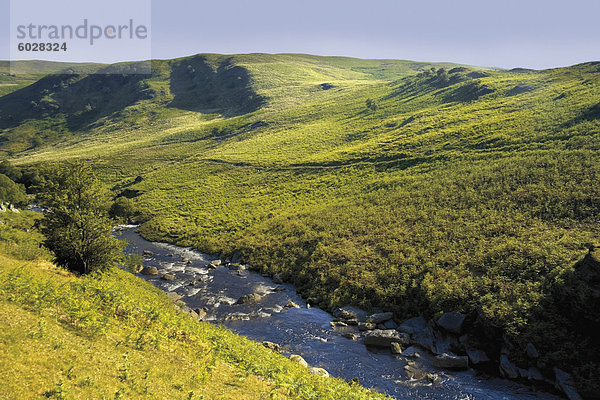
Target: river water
(305,331)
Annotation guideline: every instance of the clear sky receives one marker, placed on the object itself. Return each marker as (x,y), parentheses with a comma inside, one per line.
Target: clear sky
(506,33)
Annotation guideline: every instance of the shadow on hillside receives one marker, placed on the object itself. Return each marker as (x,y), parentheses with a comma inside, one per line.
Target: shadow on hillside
(197,86)
(81,99)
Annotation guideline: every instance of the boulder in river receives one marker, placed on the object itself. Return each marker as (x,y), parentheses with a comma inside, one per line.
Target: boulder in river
(291,304)
(451,361)
(396,348)
(452,322)
(350,313)
(151,271)
(298,360)
(414,373)
(422,334)
(201,313)
(507,368)
(174,296)
(379,318)
(385,338)
(390,324)
(564,383)
(412,351)
(136,269)
(168,277)
(249,299)
(337,323)
(366,326)
(413,326)
(477,356)
(148,253)
(534,374)
(236,258)
(318,371)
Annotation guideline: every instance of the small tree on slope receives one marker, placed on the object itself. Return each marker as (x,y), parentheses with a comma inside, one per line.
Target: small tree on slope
(76,227)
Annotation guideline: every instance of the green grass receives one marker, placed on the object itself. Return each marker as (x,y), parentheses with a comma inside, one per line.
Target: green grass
(116,336)
(471,189)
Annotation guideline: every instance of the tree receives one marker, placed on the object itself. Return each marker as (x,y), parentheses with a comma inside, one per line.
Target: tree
(11,192)
(77,227)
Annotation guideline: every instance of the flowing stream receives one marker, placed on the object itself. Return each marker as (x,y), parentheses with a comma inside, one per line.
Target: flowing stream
(304,331)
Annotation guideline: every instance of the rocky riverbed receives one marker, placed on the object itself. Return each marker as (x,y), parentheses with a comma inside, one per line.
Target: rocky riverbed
(409,360)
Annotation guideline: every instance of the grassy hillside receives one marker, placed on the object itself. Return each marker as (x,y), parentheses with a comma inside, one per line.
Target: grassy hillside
(16,75)
(116,336)
(460,188)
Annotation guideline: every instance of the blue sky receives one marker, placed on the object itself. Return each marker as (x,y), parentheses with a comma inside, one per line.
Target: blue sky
(508,33)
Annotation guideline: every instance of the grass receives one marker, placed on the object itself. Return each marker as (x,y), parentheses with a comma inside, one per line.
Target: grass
(466,189)
(116,336)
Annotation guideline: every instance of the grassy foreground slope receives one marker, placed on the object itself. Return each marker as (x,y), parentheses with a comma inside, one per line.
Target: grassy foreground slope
(462,189)
(116,336)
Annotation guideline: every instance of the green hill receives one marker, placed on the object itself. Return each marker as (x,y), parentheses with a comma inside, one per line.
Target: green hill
(414,187)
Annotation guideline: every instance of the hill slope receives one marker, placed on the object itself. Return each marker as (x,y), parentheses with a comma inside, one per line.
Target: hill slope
(116,336)
(379,183)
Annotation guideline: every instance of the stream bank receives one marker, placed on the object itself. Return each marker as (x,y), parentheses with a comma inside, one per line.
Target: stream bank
(254,306)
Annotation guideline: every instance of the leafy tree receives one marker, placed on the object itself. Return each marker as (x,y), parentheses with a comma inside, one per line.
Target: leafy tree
(10,170)
(77,227)
(11,192)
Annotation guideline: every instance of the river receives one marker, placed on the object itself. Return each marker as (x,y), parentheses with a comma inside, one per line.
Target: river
(305,331)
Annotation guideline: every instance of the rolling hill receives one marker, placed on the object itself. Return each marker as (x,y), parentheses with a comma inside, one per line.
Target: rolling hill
(414,187)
